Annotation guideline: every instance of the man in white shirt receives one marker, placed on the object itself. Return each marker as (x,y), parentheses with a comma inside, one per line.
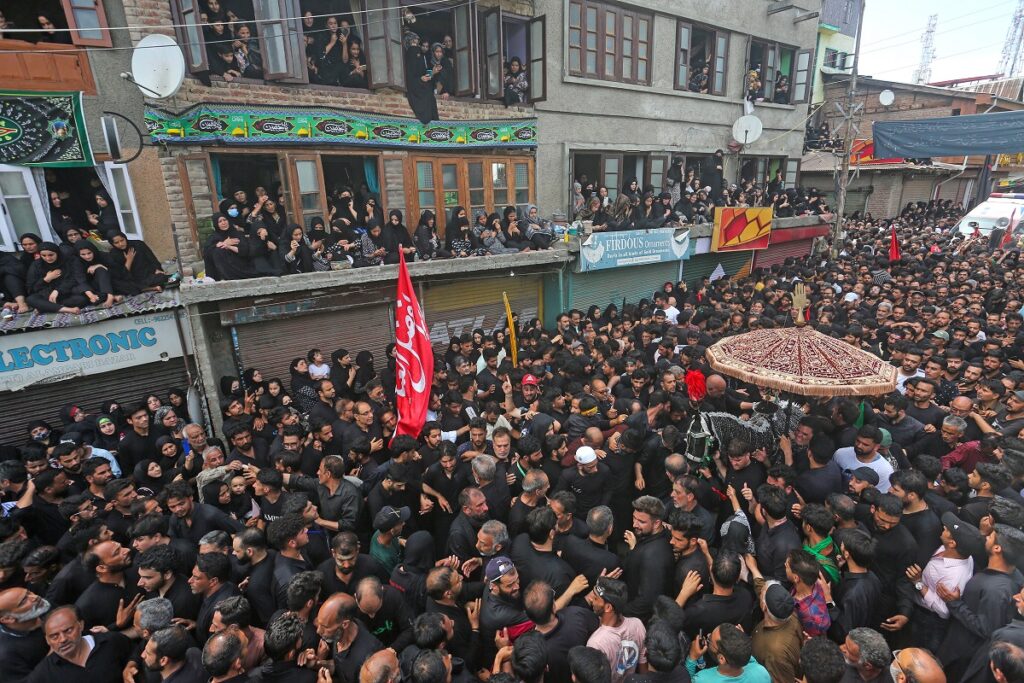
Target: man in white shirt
(864,453)
(909,367)
(952,565)
(671,312)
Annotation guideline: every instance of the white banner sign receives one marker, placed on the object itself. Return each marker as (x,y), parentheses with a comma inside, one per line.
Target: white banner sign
(56,354)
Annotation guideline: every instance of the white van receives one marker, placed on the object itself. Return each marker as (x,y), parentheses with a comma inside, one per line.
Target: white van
(995,212)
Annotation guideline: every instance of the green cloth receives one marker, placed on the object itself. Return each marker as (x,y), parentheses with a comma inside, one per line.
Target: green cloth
(389,556)
(826,562)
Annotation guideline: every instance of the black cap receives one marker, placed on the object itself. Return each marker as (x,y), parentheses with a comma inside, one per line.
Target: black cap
(866,474)
(613,592)
(388,518)
(778,601)
(969,540)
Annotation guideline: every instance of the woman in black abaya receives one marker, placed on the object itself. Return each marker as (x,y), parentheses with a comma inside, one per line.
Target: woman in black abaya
(226,252)
(420,75)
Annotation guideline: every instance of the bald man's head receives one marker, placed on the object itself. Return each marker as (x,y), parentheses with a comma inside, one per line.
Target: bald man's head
(381,667)
(333,615)
(715,386)
(918,665)
(594,436)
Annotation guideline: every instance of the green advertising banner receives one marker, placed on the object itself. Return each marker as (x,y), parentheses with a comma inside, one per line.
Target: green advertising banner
(238,125)
(43,129)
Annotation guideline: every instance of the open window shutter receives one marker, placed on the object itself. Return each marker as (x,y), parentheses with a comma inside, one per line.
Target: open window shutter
(802,77)
(190,35)
(382,21)
(281,40)
(611,174)
(721,58)
(768,70)
(537,69)
(464,15)
(88,22)
(494,68)
(396,56)
(683,55)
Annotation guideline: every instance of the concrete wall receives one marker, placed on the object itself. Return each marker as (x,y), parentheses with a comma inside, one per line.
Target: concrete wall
(586,113)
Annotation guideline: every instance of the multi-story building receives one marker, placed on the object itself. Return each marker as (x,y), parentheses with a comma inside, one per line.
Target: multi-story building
(624,94)
(836,43)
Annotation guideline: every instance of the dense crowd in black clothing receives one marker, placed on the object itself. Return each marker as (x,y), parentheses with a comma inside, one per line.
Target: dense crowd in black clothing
(551,520)
(689,196)
(253,239)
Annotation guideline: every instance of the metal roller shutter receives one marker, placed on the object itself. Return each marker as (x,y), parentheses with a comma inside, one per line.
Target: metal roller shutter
(44,401)
(705,264)
(270,346)
(917,190)
(456,308)
(773,256)
(603,287)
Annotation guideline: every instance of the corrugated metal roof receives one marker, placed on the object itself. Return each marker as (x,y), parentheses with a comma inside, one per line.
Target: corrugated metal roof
(133,305)
(1006,88)
(819,162)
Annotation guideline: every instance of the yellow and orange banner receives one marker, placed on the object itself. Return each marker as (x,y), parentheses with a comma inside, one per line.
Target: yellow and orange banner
(741,229)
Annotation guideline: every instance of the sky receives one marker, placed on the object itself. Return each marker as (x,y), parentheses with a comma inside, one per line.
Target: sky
(969,37)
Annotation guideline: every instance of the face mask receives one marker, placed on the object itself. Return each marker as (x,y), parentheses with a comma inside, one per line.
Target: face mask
(42,436)
(233,212)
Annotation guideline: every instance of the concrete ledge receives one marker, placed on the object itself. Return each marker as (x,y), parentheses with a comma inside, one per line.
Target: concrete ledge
(194,293)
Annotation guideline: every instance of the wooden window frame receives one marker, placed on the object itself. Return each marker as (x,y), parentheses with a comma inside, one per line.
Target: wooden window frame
(294,43)
(373,13)
(537,66)
(602,12)
(685,52)
(101,19)
(806,84)
(465,43)
(197,61)
(772,53)
(492,47)
(495,203)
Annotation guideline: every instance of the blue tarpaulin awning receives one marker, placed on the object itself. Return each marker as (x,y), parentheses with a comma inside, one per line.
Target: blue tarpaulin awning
(1001,133)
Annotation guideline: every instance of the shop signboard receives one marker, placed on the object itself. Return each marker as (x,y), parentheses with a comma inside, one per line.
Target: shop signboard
(601,250)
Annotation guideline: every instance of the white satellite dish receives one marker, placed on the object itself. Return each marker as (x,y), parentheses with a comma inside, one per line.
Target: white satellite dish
(747,129)
(886,97)
(158,67)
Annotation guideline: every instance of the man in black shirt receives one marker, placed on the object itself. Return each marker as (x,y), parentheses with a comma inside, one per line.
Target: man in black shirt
(590,556)
(728,603)
(250,549)
(534,556)
(444,590)
(385,613)
(193,520)
(37,507)
(570,627)
(103,603)
(350,642)
(22,643)
(346,567)
(688,551)
(288,535)
(157,568)
(210,581)
(75,660)
(910,486)
(647,569)
(590,481)
(139,443)
(246,448)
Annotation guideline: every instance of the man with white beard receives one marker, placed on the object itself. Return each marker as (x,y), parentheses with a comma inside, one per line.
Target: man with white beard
(22,644)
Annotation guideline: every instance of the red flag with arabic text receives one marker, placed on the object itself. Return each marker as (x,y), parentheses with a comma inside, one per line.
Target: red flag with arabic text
(414,357)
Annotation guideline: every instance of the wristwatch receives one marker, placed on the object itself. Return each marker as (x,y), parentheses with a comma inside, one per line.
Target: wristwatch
(918,586)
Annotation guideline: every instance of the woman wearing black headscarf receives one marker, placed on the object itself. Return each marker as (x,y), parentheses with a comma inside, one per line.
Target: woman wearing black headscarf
(364,371)
(139,260)
(410,577)
(514,237)
(60,214)
(458,238)
(55,285)
(178,399)
(420,75)
(12,284)
(104,220)
(153,475)
(396,237)
(296,254)
(302,384)
(226,252)
(105,276)
(30,243)
(343,373)
(428,242)
(375,248)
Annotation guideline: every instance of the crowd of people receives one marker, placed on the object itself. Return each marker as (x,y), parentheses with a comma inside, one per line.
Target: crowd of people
(689,196)
(253,238)
(551,520)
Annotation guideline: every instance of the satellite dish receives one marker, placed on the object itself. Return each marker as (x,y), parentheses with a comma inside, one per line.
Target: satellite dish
(886,97)
(158,67)
(747,129)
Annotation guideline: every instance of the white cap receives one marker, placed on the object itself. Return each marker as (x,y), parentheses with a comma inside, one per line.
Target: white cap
(585,455)
(851,297)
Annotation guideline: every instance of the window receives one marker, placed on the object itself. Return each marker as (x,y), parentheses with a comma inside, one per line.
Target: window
(609,42)
(701,59)
(489,184)
(123,198)
(494,68)
(537,68)
(85,18)
(21,207)
(775,65)
(802,76)
(792,172)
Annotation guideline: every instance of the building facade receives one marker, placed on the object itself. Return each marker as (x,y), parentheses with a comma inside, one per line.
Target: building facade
(836,43)
(88,59)
(624,90)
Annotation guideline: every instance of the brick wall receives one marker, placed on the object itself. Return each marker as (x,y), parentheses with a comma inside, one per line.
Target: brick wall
(884,201)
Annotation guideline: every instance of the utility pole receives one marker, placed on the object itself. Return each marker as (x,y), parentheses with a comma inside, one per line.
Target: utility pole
(848,116)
